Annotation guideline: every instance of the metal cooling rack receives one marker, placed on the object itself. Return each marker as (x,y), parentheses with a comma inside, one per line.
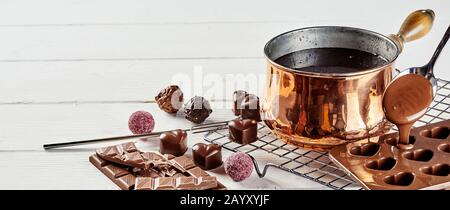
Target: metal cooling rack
(314,165)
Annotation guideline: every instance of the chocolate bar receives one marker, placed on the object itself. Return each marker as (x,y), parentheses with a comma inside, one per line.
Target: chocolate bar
(160,171)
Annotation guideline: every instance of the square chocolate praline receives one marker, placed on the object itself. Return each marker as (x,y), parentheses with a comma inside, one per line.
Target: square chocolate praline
(243,131)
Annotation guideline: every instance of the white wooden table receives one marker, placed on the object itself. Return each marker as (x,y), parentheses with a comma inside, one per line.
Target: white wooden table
(74,69)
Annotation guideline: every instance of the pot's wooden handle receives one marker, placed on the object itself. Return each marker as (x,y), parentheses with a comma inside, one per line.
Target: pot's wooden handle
(415,26)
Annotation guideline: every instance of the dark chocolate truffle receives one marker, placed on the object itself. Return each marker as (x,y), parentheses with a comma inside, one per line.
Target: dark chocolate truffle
(243,131)
(207,156)
(173,142)
(170,99)
(197,109)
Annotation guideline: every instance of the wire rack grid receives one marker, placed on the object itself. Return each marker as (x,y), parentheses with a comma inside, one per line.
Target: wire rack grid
(315,165)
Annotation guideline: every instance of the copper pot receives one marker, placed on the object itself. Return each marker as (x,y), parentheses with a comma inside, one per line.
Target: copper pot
(321,110)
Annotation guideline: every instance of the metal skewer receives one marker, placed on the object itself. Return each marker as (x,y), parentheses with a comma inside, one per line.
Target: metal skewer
(194,129)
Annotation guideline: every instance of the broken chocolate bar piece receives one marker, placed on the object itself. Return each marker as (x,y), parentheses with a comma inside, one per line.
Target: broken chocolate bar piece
(197,172)
(128,155)
(243,131)
(114,172)
(124,154)
(182,163)
(207,156)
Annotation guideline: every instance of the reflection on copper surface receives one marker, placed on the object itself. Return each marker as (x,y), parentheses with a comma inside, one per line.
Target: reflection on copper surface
(321,112)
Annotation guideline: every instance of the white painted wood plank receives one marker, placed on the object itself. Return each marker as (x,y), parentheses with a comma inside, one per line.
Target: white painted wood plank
(140,42)
(137,42)
(120,80)
(105,50)
(29,12)
(28,127)
(141,80)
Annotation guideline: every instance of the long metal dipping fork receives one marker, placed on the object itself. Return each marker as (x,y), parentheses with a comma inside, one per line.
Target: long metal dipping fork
(194,129)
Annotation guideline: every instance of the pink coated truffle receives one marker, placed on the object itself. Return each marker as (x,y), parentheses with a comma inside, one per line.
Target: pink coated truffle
(239,166)
(141,122)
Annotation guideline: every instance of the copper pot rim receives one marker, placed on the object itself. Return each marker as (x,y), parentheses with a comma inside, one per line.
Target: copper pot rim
(333,75)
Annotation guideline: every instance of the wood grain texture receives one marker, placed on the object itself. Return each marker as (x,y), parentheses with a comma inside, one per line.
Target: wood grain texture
(28,127)
(44,12)
(119,80)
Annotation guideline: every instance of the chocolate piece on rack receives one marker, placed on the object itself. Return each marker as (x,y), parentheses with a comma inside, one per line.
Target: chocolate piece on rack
(207,156)
(238,99)
(250,108)
(243,131)
(170,99)
(197,109)
(173,142)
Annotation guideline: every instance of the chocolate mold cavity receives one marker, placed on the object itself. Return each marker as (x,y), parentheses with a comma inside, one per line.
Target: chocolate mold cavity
(367,149)
(400,179)
(394,140)
(444,148)
(423,155)
(436,170)
(436,133)
(383,164)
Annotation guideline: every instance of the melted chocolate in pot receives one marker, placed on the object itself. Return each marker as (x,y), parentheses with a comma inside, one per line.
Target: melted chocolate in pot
(405,101)
(331,60)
